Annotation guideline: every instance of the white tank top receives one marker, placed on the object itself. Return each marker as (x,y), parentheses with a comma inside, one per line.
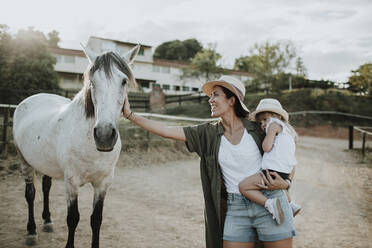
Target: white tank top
(238,161)
(281,158)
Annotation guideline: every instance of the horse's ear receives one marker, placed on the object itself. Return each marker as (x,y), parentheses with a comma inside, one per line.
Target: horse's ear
(90,54)
(132,54)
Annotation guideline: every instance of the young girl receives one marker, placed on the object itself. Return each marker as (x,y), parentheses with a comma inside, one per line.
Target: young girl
(279,157)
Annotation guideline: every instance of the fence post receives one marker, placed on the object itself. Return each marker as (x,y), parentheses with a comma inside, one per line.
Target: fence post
(5,133)
(351,137)
(364,146)
(147,105)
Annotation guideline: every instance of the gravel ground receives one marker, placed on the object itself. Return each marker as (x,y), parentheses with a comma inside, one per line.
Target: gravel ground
(161,205)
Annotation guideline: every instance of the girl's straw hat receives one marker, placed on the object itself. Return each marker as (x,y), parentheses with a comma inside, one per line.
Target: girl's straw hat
(270,105)
(232,84)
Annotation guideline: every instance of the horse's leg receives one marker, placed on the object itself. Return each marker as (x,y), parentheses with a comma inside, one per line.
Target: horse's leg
(73,215)
(29,174)
(96,217)
(48,225)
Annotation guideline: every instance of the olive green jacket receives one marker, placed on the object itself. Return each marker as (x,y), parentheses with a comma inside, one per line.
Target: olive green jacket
(205,140)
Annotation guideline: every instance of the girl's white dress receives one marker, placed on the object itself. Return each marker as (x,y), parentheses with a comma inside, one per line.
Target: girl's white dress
(281,158)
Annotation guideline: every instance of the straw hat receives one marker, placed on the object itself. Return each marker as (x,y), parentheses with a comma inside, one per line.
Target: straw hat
(270,105)
(231,83)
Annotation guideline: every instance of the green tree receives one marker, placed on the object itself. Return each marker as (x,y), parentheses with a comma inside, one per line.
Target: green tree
(28,67)
(361,80)
(178,50)
(299,81)
(193,46)
(267,60)
(5,52)
(300,67)
(204,66)
(53,38)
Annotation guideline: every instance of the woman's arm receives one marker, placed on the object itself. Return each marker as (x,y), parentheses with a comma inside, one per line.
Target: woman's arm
(268,142)
(273,183)
(152,126)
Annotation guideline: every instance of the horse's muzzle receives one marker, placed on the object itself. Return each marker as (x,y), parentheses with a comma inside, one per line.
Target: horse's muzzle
(105,137)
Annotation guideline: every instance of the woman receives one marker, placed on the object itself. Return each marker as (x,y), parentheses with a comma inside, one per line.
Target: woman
(230,150)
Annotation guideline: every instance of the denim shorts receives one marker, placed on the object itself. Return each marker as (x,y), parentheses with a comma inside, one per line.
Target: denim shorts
(247,221)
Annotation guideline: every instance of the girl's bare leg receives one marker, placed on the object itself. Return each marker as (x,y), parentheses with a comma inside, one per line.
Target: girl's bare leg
(248,188)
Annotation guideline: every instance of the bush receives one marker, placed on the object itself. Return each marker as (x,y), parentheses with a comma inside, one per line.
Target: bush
(321,100)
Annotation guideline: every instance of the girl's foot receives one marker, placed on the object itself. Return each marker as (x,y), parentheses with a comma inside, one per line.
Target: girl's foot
(295,208)
(274,208)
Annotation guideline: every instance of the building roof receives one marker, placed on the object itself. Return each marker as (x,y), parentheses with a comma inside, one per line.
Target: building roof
(159,62)
(182,64)
(66,51)
(170,63)
(122,42)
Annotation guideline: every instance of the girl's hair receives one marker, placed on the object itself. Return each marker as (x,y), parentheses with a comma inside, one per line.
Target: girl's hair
(238,109)
(292,131)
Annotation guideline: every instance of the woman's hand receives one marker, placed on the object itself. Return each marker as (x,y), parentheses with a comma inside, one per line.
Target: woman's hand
(126,108)
(272,183)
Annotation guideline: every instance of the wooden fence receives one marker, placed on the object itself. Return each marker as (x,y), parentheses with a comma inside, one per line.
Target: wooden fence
(140,102)
(365,133)
(7,113)
(199,97)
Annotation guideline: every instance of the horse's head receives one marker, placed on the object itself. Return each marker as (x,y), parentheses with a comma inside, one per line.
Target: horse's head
(106,83)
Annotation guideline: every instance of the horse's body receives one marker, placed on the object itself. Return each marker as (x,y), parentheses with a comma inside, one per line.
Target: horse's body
(74,140)
(64,143)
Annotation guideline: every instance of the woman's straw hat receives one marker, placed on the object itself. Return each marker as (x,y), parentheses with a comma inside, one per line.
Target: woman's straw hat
(270,105)
(232,84)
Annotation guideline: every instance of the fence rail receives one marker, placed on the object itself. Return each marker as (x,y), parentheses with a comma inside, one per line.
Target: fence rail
(330,112)
(8,108)
(139,101)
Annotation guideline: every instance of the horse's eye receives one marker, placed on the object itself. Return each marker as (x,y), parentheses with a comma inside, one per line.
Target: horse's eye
(124,81)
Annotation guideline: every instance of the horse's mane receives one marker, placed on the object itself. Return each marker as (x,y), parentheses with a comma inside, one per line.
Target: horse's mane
(105,62)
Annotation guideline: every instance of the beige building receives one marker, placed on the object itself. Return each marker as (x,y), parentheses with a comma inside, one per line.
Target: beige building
(71,65)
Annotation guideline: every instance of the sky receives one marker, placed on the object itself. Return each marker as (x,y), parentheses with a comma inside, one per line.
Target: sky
(333,37)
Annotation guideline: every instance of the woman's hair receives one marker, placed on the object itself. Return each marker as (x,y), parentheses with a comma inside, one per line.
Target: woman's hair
(238,109)
(292,131)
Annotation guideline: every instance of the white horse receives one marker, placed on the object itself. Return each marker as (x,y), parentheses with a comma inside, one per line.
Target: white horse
(74,140)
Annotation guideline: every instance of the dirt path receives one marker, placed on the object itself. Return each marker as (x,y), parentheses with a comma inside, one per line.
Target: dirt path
(162,205)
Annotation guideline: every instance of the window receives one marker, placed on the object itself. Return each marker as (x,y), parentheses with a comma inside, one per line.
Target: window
(69,59)
(145,84)
(195,89)
(59,58)
(185,88)
(166,87)
(165,69)
(141,51)
(176,87)
(155,68)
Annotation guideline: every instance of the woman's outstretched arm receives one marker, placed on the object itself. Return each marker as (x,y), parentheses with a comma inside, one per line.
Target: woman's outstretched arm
(155,127)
